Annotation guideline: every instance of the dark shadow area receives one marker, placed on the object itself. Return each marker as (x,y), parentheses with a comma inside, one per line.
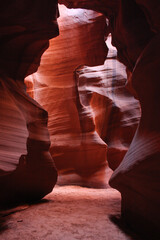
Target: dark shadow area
(3,223)
(42,201)
(127,229)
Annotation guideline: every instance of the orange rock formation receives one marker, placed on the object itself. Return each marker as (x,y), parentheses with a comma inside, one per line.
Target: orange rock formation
(76,99)
(27,171)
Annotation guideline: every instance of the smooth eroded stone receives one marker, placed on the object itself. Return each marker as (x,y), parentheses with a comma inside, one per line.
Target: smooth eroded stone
(75,145)
(135,26)
(116,112)
(137,177)
(27,170)
(128,25)
(25,28)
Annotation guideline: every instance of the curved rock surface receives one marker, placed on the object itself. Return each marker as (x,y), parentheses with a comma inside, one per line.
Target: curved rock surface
(127,22)
(27,171)
(137,177)
(76,127)
(135,29)
(25,27)
(115,111)
(76,146)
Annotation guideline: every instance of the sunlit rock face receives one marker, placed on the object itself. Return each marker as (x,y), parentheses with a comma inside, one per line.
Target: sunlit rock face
(115,111)
(27,171)
(14,132)
(127,23)
(89,107)
(76,146)
(135,30)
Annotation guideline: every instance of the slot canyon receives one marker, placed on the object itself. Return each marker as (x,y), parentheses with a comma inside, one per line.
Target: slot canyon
(79,120)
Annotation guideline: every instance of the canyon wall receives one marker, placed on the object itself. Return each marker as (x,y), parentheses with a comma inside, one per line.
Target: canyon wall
(134,26)
(27,170)
(79,124)
(75,145)
(114,110)
(89,107)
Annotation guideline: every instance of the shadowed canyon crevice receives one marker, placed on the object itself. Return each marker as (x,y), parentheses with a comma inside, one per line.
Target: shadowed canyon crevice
(89,106)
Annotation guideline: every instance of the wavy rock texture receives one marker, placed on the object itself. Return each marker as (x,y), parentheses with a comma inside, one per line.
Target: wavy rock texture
(115,111)
(127,23)
(135,30)
(137,177)
(13,128)
(76,146)
(26,26)
(90,107)
(27,171)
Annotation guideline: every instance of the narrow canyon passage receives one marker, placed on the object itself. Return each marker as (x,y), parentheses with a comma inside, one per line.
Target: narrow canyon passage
(79,119)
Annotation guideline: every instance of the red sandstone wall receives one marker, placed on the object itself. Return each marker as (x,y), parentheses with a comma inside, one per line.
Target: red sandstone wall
(89,107)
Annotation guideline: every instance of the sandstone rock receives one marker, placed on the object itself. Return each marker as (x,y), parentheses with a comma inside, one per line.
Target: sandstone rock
(151,10)
(26,26)
(115,111)
(27,171)
(135,30)
(13,127)
(76,146)
(72,111)
(127,23)
(137,177)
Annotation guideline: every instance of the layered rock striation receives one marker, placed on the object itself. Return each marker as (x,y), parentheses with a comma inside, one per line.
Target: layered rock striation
(89,107)
(115,111)
(75,144)
(134,26)
(27,170)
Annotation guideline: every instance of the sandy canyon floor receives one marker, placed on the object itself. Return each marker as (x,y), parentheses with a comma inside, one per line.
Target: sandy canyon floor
(70,212)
